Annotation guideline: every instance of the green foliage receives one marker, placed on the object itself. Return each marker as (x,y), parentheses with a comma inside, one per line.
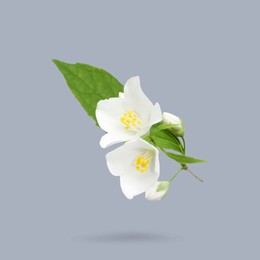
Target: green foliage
(163,138)
(89,84)
(183,159)
(163,126)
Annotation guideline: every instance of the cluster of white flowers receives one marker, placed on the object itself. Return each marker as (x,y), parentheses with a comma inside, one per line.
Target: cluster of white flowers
(126,119)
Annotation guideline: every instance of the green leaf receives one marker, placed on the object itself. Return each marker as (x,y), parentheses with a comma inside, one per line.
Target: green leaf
(166,135)
(161,130)
(148,139)
(163,127)
(154,127)
(89,84)
(165,140)
(183,159)
(166,144)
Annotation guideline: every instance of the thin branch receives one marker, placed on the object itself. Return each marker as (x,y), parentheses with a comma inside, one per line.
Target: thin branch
(194,175)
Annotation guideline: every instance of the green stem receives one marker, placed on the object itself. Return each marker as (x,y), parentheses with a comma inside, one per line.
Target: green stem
(194,175)
(175,174)
(184,144)
(183,167)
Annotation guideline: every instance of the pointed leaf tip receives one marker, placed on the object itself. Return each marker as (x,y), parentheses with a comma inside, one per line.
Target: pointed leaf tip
(89,84)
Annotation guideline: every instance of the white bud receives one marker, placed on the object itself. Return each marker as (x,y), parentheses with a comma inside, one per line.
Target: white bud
(157,191)
(177,124)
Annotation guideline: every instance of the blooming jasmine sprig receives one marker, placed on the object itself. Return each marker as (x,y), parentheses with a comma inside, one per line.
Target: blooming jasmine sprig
(127,115)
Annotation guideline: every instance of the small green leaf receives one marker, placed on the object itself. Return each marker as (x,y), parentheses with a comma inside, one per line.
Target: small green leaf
(163,127)
(154,127)
(166,144)
(166,135)
(148,139)
(164,139)
(89,84)
(183,159)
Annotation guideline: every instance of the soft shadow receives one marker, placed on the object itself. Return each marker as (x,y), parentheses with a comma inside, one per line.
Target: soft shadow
(128,237)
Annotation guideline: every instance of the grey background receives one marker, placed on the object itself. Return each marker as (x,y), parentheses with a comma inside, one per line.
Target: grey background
(199,60)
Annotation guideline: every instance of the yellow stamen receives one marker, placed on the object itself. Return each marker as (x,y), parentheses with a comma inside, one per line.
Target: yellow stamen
(142,162)
(130,120)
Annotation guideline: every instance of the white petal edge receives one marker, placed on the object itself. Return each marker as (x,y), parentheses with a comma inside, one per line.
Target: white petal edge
(135,96)
(108,113)
(157,162)
(132,186)
(156,115)
(110,139)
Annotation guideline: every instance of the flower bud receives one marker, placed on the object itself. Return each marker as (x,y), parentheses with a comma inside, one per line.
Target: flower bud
(177,124)
(157,191)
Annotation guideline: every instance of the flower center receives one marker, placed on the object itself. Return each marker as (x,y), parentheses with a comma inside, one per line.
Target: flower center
(142,162)
(130,120)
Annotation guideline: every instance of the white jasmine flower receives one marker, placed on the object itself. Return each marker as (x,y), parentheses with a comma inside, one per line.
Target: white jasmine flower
(157,191)
(177,123)
(137,164)
(128,116)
